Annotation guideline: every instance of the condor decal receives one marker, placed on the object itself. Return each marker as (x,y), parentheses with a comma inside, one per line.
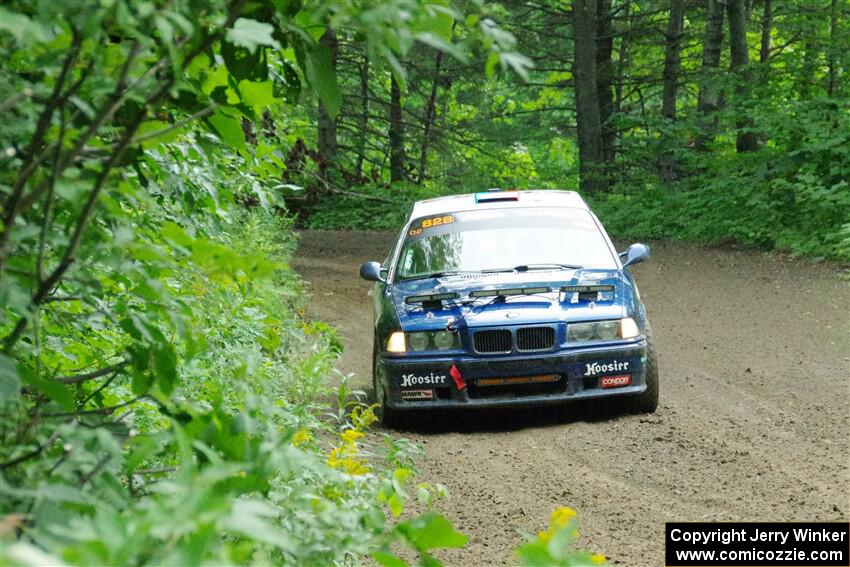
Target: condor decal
(615,381)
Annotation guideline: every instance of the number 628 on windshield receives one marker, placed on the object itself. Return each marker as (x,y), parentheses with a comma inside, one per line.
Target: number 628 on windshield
(431,223)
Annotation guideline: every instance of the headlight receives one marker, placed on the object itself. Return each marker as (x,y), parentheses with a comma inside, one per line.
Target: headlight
(422,341)
(579,332)
(417,341)
(628,328)
(444,340)
(602,330)
(608,330)
(396,342)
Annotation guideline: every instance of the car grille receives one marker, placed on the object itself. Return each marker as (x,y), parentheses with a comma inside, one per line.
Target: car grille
(528,339)
(535,338)
(492,341)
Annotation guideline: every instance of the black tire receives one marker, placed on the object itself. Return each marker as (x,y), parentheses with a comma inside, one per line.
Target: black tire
(389,418)
(647,402)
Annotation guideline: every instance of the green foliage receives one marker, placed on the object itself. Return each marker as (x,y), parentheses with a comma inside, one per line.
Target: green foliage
(373,207)
(679,178)
(790,195)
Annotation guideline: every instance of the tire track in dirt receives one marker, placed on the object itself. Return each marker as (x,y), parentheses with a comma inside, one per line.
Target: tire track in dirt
(753,423)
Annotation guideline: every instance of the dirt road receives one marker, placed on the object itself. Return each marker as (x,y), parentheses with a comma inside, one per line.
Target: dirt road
(753,424)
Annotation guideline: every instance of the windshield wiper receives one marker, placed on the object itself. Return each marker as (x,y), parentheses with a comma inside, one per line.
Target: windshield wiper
(528,267)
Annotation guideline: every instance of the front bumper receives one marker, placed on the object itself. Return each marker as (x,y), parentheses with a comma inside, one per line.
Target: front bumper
(407,380)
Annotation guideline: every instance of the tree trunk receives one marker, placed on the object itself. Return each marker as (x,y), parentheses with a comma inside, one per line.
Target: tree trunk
(708,100)
(766,29)
(604,77)
(588,122)
(326,124)
(810,54)
(364,115)
(396,133)
(667,166)
(746,140)
(623,58)
(430,115)
(833,47)
(672,51)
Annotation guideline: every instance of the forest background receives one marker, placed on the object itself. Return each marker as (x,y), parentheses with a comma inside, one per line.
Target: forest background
(164,400)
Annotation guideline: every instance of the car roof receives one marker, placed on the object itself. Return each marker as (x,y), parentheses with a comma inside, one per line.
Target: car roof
(496,199)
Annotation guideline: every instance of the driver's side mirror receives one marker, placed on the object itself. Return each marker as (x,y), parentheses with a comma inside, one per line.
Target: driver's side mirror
(635,254)
(372,271)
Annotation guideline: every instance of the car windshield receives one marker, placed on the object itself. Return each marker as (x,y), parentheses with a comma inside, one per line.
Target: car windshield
(528,238)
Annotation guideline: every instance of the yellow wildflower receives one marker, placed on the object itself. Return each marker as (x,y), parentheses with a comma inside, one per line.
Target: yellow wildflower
(333,458)
(561,516)
(597,558)
(345,457)
(351,435)
(301,437)
(545,536)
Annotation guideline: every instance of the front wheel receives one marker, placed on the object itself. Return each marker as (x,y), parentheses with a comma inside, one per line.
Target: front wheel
(647,402)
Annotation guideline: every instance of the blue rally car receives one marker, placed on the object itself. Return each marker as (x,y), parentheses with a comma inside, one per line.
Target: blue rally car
(508,298)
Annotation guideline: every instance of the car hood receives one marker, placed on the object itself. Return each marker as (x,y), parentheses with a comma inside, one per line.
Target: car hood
(551,307)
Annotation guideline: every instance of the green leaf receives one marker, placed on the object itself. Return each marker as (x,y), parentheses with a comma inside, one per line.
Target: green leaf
(251,34)
(396,504)
(519,63)
(322,77)
(436,18)
(24,30)
(244,64)
(216,78)
(306,19)
(389,560)
(431,531)
(534,554)
(227,123)
(176,234)
(10,382)
(152,126)
(438,43)
(257,95)
(56,391)
(253,519)
(165,362)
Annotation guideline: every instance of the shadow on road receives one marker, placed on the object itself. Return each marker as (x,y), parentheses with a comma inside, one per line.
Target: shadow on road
(512,419)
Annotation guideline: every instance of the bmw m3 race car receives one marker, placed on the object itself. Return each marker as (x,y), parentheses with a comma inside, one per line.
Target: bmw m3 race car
(510,298)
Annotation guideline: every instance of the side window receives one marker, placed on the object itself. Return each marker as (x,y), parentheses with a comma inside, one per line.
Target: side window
(388,263)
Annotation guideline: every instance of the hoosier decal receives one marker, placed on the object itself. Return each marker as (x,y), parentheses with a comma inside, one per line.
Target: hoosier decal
(594,368)
(408,380)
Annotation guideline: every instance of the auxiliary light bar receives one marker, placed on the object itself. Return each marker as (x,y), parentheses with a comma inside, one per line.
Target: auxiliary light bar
(509,291)
(586,288)
(432,297)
